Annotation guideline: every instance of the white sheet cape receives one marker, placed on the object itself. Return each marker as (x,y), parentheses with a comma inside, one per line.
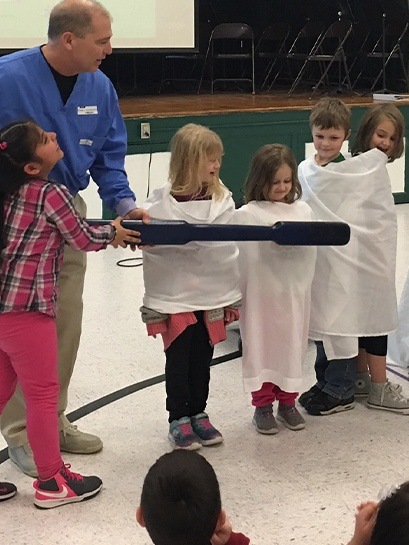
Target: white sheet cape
(276,283)
(353,291)
(398,340)
(193,276)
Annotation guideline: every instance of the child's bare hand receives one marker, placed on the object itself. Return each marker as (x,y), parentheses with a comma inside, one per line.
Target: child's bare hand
(123,236)
(229,315)
(365,519)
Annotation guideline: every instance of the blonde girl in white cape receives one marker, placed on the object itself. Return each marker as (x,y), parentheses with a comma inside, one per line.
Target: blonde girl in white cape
(191,291)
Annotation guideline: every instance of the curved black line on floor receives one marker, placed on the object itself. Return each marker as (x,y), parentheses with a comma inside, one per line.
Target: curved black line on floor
(123,392)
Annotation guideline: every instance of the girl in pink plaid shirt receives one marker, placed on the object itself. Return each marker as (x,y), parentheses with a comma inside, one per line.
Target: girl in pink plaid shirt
(37,217)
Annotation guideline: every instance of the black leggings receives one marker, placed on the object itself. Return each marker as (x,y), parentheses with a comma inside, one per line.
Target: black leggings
(187,371)
(376,346)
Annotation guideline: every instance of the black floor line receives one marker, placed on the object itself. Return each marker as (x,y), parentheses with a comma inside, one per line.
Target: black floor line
(131,389)
(119,394)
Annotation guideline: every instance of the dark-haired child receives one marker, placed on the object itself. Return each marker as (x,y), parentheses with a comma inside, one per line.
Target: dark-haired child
(181,504)
(385,522)
(37,217)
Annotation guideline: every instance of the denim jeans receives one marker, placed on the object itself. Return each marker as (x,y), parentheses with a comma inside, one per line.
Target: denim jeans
(335,377)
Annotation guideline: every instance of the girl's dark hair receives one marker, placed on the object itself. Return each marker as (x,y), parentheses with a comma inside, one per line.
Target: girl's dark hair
(373,117)
(18,143)
(263,167)
(392,521)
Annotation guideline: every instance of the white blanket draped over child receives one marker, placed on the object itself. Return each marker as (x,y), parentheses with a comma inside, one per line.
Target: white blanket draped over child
(193,276)
(276,286)
(398,341)
(353,291)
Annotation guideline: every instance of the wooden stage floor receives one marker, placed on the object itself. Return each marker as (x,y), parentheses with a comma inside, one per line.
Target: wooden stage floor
(193,104)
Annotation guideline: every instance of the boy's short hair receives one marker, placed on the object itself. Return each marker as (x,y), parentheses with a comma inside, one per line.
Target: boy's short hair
(180,500)
(331,113)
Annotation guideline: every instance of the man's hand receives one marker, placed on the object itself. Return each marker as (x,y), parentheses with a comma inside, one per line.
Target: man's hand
(138,214)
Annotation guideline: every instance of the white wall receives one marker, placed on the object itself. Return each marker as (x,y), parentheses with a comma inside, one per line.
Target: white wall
(137,167)
(150,24)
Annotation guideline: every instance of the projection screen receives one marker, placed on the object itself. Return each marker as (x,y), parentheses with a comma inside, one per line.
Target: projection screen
(137,24)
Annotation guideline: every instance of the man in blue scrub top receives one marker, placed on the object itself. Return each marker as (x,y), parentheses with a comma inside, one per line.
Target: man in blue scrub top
(59,86)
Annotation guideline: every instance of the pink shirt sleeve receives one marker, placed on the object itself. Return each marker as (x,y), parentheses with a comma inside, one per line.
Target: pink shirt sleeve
(60,211)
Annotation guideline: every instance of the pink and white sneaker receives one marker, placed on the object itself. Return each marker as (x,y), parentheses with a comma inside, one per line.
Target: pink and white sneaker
(65,487)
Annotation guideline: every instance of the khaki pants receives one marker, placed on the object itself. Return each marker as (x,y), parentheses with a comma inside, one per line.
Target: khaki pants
(69,318)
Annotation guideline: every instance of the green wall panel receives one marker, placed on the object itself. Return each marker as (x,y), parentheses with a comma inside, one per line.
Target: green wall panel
(242,134)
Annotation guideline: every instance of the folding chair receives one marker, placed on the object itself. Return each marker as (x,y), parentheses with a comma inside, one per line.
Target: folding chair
(303,45)
(388,47)
(271,48)
(327,50)
(186,67)
(358,42)
(231,43)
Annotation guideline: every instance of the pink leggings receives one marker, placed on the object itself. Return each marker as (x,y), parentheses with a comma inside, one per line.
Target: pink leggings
(28,355)
(269,392)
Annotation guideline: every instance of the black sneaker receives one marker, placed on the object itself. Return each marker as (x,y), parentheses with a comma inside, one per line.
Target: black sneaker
(65,487)
(308,395)
(7,491)
(323,404)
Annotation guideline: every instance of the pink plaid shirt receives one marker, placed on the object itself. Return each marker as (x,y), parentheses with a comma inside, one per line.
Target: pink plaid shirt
(39,219)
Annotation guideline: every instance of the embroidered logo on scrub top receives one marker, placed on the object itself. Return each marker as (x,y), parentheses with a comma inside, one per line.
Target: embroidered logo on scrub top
(87,110)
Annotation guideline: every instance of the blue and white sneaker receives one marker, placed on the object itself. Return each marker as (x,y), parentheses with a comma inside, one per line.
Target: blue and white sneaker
(182,435)
(205,431)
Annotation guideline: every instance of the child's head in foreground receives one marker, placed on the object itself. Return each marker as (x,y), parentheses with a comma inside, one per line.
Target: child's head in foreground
(392,519)
(180,501)
(382,127)
(330,123)
(195,159)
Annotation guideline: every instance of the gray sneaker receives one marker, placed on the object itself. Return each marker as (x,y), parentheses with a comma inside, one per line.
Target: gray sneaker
(363,385)
(76,441)
(291,418)
(23,458)
(264,420)
(385,397)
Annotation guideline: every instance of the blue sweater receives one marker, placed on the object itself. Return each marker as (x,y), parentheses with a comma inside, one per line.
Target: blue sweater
(93,139)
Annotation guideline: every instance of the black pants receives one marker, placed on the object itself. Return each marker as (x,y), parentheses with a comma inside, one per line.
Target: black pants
(187,371)
(377,346)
